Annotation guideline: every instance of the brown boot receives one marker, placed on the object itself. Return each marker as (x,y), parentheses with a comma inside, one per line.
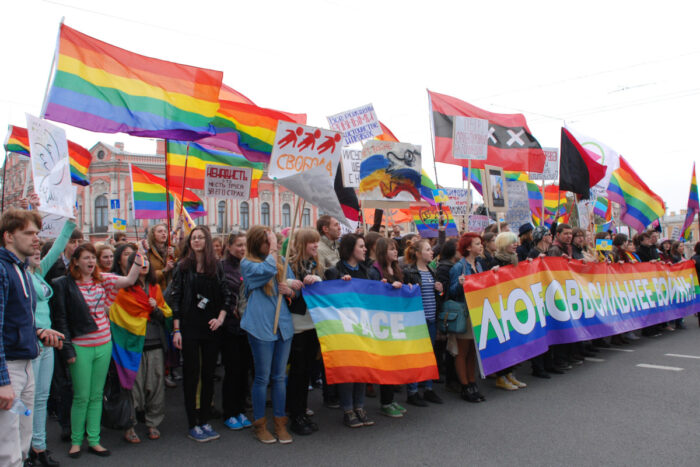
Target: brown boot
(281,430)
(260,431)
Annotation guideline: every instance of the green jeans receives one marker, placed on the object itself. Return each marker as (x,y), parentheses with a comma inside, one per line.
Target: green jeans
(89,373)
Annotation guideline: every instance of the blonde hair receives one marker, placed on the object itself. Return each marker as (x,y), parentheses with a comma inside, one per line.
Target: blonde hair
(504,240)
(298,243)
(255,239)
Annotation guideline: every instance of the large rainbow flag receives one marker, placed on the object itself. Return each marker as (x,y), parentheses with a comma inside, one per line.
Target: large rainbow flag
(371,332)
(148,194)
(102,88)
(639,206)
(198,157)
(693,207)
(17,141)
(129,316)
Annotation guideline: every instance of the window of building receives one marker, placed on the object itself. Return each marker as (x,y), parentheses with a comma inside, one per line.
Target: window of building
(100,154)
(286,216)
(306,217)
(221,218)
(265,214)
(199,220)
(245,216)
(101,214)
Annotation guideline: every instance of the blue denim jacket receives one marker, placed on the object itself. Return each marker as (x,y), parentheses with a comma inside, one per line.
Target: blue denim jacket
(461,267)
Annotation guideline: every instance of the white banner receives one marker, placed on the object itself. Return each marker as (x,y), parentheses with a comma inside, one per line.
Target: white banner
(470,137)
(350,166)
(518,205)
(459,200)
(299,148)
(227,182)
(478,223)
(357,124)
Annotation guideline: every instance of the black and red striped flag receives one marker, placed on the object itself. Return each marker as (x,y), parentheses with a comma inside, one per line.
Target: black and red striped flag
(578,171)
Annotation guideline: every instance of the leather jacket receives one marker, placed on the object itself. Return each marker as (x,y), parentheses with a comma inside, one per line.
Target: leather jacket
(70,313)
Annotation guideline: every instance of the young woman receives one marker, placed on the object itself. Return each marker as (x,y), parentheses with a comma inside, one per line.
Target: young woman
(121,258)
(235,351)
(44,363)
(306,266)
(487,259)
(105,256)
(676,252)
(351,265)
(160,255)
(262,272)
(80,303)
(141,310)
(419,272)
(200,300)
(218,246)
(462,345)
(448,257)
(386,268)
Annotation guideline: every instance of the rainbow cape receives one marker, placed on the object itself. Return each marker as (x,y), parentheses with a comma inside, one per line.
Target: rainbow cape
(639,206)
(371,332)
(17,141)
(129,315)
(693,207)
(148,194)
(102,88)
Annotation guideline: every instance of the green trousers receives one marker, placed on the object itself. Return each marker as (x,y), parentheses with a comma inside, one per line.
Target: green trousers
(89,373)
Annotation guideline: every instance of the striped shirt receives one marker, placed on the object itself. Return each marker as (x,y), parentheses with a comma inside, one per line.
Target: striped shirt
(427,291)
(99,296)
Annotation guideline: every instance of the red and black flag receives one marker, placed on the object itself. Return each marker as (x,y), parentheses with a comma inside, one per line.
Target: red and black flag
(511,145)
(578,170)
(347,197)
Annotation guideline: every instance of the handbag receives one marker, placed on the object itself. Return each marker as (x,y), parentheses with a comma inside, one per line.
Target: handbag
(452,319)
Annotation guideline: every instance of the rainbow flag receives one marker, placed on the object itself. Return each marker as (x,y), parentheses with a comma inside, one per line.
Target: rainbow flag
(371,332)
(693,207)
(17,141)
(603,208)
(102,88)
(148,194)
(426,187)
(427,221)
(604,227)
(639,206)
(129,315)
(198,157)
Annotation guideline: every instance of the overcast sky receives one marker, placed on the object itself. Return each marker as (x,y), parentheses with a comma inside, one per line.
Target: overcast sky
(623,72)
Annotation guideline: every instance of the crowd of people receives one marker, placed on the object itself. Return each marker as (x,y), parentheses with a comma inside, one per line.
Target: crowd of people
(190,303)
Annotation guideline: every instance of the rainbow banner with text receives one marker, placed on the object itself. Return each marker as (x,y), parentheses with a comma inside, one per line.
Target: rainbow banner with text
(518,312)
(371,332)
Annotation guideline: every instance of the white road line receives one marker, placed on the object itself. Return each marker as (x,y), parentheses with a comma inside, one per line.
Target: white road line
(593,359)
(659,367)
(682,356)
(619,350)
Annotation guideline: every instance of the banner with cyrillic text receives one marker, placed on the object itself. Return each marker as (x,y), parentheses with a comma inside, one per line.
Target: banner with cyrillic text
(517,312)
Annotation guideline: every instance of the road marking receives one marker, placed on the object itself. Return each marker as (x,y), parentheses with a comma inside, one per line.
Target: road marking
(593,359)
(682,356)
(619,350)
(659,367)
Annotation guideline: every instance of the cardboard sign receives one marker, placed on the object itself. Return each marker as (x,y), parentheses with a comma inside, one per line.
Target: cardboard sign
(119,224)
(227,182)
(603,244)
(427,220)
(478,223)
(299,148)
(518,212)
(51,225)
(50,167)
(470,138)
(357,124)
(350,166)
(459,200)
(390,174)
(551,166)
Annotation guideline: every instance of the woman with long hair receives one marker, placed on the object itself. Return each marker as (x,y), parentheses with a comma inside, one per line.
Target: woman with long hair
(218,246)
(161,256)
(105,256)
(80,305)
(306,266)
(235,351)
(262,271)
(200,299)
(121,258)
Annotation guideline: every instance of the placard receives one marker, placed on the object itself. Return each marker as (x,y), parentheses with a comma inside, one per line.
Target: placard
(478,223)
(119,224)
(495,193)
(676,233)
(603,244)
(299,148)
(518,212)
(51,225)
(427,220)
(50,167)
(390,174)
(470,138)
(551,166)
(584,213)
(357,124)
(459,200)
(227,182)
(350,166)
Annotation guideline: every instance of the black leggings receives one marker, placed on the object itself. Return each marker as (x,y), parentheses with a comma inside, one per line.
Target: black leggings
(236,356)
(302,357)
(195,351)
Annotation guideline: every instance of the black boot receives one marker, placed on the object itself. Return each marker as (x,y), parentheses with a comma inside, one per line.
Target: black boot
(467,393)
(42,458)
(479,396)
(300,426)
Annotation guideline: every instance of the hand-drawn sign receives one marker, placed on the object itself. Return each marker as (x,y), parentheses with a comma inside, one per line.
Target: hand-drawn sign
(299,148)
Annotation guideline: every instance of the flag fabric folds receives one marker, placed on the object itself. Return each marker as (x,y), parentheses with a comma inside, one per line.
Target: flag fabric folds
(510,145)
(603,208)
(17,141)
(639,206)
(693,207)
(103,88)
(386,135)
(578,171)
(148,195)
(370,332)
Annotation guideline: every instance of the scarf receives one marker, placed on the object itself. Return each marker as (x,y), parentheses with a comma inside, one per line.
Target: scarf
(509,258)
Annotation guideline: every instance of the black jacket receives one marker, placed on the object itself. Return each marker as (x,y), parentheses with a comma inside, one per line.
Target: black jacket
(70,313)
(523,250)
(411,275)
(233,279)
(340,270)
(647,253)
(442,274)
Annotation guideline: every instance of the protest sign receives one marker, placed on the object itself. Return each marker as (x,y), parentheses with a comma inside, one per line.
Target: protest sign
(371,332)
(51,225)
(299,147)
(350,166)
(50,167)
(478,223)
(470,137)
(603,244)
(676,233)
(357,124)
(390,174)
(427,220)
(119,224)
(457,199)
(584,213)
(227,182)
(551,166)
(517,312)
(518,212)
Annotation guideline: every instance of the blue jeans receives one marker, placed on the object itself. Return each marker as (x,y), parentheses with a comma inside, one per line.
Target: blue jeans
(352,395)
(413,387)
(270,358)
(43,372)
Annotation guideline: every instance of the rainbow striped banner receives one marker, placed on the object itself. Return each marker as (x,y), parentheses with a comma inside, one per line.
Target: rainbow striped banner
(518,312)
(371,332)
(639,206)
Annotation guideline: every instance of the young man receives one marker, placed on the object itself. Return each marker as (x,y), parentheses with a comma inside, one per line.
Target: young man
(329,229)
(19,239)
(562,242)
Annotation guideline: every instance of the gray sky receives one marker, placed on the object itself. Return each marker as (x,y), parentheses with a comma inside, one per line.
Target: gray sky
(626,73)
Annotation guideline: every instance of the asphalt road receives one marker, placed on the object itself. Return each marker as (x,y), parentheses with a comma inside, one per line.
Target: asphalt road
(607,412)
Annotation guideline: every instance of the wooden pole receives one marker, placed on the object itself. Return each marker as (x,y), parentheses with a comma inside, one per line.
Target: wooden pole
(184,178)
(4,180)
(542,213)
(469,192)
(286,260)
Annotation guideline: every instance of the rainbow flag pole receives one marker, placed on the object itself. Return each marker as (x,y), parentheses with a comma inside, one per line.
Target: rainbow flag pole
(167,189)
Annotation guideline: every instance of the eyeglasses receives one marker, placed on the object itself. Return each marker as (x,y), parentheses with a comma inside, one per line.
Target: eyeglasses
(198,238)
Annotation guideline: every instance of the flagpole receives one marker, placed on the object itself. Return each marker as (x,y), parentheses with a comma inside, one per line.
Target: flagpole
(542,212)
(167,190)
(469,192)
(184,178)
(286,260)
(432,135)
(4,173)
(52,73)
